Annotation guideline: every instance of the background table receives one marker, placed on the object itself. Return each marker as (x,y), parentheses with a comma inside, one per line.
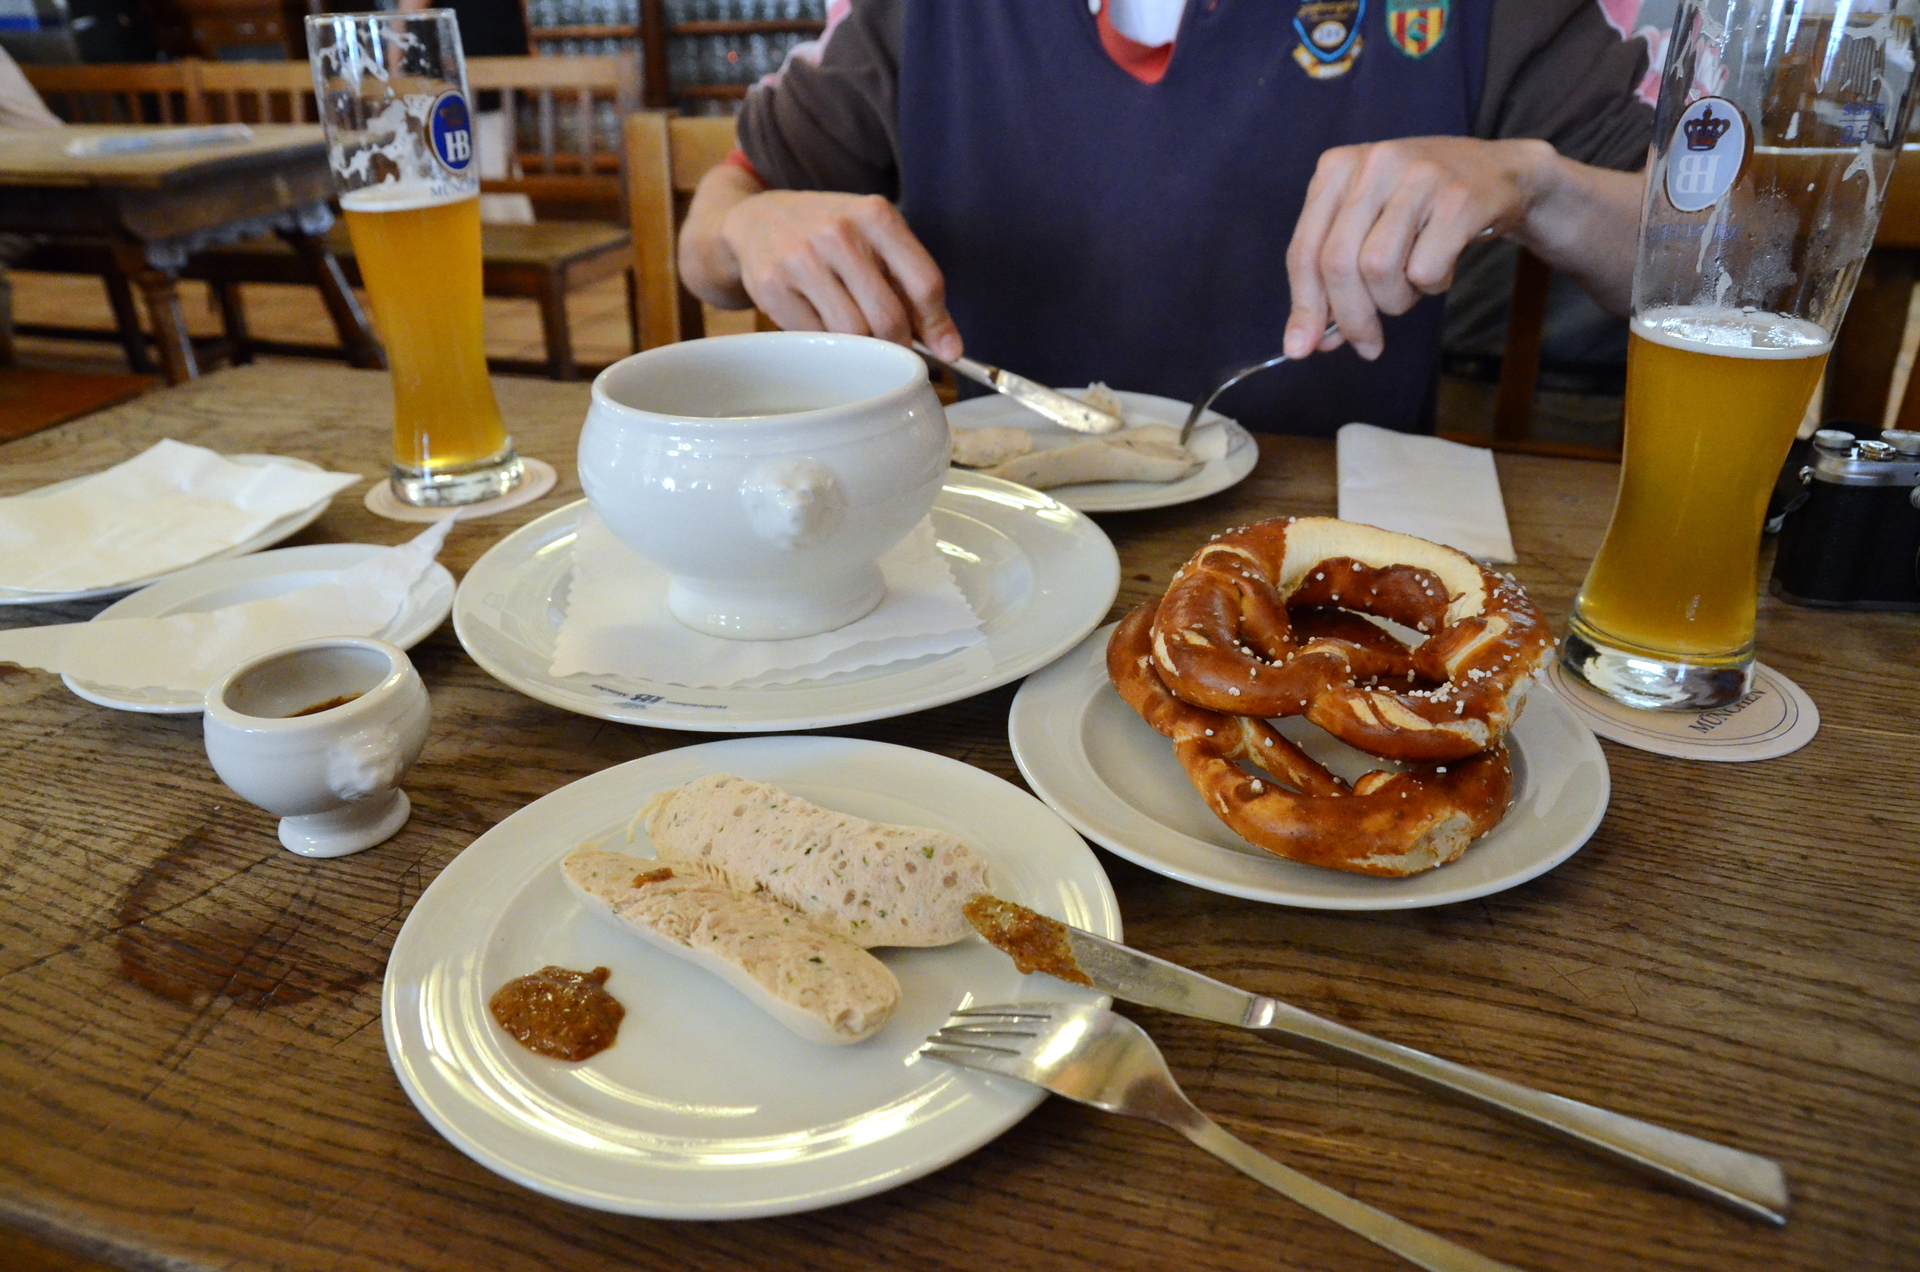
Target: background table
(156,209)
(190,1041)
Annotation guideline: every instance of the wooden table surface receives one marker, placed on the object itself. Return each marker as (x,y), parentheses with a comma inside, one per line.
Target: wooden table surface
(189,1030)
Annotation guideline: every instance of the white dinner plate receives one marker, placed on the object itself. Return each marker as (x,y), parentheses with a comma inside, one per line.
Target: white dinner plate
(213,585)
(1039,575)
(705,1107)
(272,533)
(997,410)
(1104,769)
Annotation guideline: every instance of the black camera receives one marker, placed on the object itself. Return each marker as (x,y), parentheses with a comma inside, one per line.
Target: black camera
(1851,538)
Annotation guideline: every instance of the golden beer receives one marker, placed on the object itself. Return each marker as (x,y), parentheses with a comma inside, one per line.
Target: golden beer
(1713,400)
(420,261)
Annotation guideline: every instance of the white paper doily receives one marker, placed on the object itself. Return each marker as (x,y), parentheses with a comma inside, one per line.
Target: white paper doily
(539,478)
(1773,718)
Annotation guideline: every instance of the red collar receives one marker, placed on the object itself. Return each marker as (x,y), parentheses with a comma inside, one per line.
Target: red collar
(1145,62)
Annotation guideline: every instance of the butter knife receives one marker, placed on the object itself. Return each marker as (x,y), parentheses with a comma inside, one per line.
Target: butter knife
(1062,410)
(1749,1184)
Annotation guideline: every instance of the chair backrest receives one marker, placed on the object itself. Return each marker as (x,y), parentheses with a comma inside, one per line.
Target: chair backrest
(566,114)
(1520,373)
(120,93)
(666,157)
(257,93)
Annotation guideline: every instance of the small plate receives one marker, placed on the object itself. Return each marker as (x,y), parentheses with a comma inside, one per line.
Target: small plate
(705,1107)
(1101,766)
(1039,575)
(272,533)
(996,410)
(213,585)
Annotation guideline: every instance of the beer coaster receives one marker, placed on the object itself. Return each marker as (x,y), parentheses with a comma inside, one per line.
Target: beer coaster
(539,479)
(1774,718)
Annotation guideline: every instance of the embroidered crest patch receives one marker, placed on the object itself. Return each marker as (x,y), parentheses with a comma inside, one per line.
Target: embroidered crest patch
(1329,32)
(1416,26)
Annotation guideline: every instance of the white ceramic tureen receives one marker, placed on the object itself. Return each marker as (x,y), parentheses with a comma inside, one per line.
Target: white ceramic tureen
(765,473)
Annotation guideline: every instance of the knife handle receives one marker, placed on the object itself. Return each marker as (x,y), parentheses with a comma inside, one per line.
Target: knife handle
(1752,1185)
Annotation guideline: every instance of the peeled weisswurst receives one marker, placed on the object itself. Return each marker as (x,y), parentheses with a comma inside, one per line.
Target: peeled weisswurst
(816,983)
(872,883)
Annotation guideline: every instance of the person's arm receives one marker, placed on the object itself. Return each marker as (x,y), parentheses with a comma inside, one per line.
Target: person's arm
(806,228)
(813,260)
(1385,223)
(1559,138)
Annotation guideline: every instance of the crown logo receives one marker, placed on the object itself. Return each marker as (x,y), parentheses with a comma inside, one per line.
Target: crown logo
(1705,132)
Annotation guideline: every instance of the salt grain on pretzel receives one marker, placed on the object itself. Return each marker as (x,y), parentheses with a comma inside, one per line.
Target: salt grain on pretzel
(1485,639)
(1385,824)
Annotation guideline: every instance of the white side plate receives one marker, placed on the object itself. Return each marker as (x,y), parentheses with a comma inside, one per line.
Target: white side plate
(1104,769)
(1039,575)
(704,1107)
(214,585)
(996,410)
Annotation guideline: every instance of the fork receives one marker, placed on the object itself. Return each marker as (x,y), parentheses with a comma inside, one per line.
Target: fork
(1228,379)
(1091,1055)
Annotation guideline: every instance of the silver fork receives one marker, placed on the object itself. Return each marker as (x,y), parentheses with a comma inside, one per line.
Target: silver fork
(1230,378)
(1089,1054)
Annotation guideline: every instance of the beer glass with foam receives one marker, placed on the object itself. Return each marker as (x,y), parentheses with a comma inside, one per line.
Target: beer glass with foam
(1777,128)
(392,89)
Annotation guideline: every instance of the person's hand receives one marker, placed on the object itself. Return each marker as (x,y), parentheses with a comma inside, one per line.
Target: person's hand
(839,262)
(1384,224)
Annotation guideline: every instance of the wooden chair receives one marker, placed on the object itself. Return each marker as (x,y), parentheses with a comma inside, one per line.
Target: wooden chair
(1520,373)
(666,157)
(129,93)
(256,93)
(1867,347)
(571,170)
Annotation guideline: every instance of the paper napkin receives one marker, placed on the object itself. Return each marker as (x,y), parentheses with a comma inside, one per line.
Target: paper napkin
(169,506)
(190,652)
(617,622)
(1424,486)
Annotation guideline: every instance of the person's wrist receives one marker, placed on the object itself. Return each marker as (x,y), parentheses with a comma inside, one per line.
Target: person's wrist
(1550,194)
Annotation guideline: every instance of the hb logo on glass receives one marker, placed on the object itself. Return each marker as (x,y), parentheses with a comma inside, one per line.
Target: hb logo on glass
(1708,149)
(451,131)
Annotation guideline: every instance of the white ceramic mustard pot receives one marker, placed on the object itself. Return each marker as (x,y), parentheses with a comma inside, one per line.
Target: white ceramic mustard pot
(765,473)
(321,733)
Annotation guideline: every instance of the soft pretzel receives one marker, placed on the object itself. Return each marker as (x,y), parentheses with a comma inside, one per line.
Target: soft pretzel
(1224,639)
(1384,824)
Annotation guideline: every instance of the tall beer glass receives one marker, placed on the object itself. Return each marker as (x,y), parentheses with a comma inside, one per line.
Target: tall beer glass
(1778,124)
(392,89)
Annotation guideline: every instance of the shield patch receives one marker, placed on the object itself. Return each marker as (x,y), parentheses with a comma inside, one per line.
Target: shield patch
(1416,27)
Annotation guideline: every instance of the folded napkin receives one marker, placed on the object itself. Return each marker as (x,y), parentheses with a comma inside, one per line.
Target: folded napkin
(190,652)
(1424,486)
(617,622)
(167,507)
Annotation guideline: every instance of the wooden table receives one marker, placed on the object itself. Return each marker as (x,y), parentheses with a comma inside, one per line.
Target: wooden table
(158,208)
(190,1042)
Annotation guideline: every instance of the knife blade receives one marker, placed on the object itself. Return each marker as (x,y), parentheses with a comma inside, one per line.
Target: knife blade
(1065,411)
(1749,1184)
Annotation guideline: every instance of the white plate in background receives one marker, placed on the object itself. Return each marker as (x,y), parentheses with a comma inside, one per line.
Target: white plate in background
(1240,451)
(272,533)
(213,585)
